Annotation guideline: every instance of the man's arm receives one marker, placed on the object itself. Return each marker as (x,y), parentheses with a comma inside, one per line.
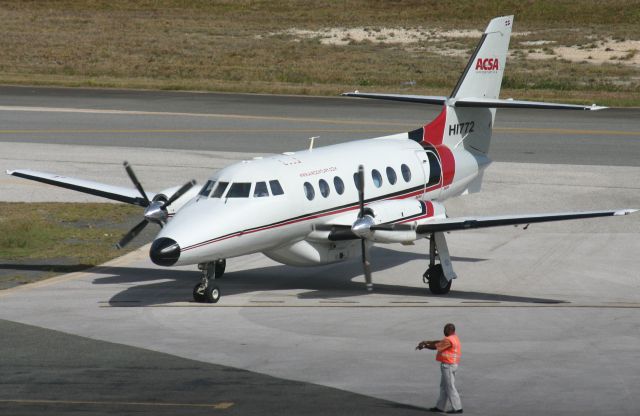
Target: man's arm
(442,345)
(430,345)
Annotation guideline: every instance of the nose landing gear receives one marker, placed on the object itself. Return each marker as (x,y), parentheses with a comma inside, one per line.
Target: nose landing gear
(206,291)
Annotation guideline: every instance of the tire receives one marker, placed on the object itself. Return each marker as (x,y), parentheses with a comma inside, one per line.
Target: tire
(438,284)
(212,294)
(198,294)
(220,266)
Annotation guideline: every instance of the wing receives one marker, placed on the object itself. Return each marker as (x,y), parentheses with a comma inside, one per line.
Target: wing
(117,193)
(466,223)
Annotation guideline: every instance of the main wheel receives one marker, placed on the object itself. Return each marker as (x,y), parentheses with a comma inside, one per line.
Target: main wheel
(198,293)
(220,265)
(212,294)
(438,284)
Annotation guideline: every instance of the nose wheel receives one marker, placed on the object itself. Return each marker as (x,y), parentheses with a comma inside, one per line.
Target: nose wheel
(206,291)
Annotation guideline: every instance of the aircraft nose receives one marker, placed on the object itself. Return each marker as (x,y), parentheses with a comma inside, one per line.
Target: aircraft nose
(164,251)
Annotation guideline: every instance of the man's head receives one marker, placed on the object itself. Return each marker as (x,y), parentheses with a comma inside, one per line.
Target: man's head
(449,329)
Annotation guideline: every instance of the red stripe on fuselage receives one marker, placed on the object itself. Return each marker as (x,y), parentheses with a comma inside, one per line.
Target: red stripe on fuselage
(306,218)
(448,162)
(434,135)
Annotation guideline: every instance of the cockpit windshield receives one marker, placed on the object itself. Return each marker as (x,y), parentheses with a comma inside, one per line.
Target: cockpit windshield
(239,190)
(261,189)
(206,189)
(219,191)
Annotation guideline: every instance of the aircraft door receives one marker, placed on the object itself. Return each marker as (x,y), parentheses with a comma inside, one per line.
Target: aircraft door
(432,172)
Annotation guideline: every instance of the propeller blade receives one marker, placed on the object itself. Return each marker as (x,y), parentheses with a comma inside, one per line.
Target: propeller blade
(366,265)
(180,192)
(361,190)
(132,234)
(137,184)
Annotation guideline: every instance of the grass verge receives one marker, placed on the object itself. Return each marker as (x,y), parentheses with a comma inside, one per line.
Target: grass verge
(40,240)
(247,46)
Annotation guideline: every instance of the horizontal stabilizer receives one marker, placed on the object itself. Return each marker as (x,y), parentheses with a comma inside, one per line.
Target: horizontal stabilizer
(474,102)
(117,193)
(455,224)
(498,103)
(423,99)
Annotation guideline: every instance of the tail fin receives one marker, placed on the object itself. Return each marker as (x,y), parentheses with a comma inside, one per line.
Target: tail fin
(468,113)
(483,75)
(471,127)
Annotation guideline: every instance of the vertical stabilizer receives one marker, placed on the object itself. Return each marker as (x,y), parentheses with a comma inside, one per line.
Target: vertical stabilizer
(483,75)
(468,127)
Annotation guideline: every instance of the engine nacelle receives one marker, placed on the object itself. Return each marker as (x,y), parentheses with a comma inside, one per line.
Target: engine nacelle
(411,212)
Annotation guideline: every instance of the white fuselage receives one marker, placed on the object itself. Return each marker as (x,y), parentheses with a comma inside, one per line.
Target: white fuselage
(282,226)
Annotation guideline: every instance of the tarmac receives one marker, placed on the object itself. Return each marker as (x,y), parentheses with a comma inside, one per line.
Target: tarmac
(548,316)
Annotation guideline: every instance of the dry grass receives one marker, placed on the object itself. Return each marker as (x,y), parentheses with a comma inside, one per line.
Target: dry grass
(80,233)
(227,46)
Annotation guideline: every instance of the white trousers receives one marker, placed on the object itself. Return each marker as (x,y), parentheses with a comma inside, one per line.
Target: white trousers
(448,392)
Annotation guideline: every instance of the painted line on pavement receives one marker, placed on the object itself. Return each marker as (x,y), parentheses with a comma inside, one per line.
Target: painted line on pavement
(275,118)
(204,115)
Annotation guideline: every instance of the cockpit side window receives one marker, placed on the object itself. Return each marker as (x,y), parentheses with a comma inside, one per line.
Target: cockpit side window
(219,191)
(206,189)
(260,190)
(239,190)
(276,189)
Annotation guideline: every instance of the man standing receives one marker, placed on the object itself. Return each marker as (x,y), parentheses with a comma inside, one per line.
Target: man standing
(449,356)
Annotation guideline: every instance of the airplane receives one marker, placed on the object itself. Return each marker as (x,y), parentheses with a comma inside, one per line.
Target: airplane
(331,204)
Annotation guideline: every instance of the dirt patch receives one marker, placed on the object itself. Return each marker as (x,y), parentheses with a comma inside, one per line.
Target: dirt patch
(340,36)
(607,51)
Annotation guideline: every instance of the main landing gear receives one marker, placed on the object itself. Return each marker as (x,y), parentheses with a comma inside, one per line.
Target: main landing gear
(439,276)
(207,291)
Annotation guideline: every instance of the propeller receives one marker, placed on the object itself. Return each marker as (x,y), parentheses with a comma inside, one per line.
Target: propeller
(361,227)
(155,211)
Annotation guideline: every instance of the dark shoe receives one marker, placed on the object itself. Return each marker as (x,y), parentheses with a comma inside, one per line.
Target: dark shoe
(455,411)
(435,409)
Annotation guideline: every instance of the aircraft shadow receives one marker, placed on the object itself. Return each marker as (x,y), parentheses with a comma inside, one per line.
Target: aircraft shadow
(325,282)
(52,268)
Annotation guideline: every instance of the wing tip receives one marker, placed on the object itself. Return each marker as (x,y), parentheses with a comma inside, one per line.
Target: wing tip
(621,212)
(595,107)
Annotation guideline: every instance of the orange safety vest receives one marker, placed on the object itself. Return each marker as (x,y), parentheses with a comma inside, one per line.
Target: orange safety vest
(452,354)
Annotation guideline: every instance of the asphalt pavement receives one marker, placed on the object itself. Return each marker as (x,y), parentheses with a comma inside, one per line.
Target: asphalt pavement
(274,124)
(548,317)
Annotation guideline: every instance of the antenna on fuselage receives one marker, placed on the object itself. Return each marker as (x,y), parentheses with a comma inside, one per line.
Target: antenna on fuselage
(311,141)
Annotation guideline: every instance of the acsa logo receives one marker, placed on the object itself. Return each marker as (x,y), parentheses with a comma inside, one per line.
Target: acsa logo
(487,64)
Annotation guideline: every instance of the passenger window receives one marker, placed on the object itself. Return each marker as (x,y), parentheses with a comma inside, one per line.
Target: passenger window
(206,189)
(339,185)
(239,190)
(219,191)
(261,190)
(391,175)
(377,178)
(276,189)
(406,172)
(308,191)
(324,187)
